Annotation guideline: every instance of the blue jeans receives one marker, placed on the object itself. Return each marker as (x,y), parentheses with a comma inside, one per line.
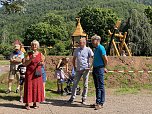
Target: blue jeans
(43,73)
(98,76)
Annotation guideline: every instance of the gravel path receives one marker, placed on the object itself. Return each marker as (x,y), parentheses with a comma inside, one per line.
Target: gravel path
(115,104)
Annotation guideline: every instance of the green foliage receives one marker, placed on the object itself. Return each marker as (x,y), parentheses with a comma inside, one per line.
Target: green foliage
(97,20)
(60,48)
(15,25)
(147,2)
(140,34)
(5,49)
(148,13)
(14,6)
(51,31)
(46,32)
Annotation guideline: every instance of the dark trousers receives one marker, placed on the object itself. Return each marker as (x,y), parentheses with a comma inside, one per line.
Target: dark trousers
(98,76)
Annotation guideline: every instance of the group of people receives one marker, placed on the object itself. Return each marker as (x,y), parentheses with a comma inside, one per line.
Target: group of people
(82,67)
(32,73)
(29,71)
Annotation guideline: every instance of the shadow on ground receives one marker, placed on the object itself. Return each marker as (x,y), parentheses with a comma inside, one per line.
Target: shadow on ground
(10,98)
(52,91)
(2,91)
(10,105)
(64,103)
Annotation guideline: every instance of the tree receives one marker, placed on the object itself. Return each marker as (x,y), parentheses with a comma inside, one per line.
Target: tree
(52,28)
(97,20)
(140,34)
(14,6)
(4,37)
(60,49)
(148,13)
(52,31)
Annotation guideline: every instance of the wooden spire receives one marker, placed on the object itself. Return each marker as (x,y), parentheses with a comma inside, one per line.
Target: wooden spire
(79,30)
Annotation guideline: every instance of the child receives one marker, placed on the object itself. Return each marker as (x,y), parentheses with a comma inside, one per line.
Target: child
(60,75)
(22,71)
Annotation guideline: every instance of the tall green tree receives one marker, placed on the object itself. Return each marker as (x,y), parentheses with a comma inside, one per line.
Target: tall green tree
(52,28)
(97,21)
(14,6)
(148,13)
(140,34)
(52,31)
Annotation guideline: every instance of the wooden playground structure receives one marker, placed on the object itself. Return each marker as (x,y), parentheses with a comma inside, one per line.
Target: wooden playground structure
(118,48)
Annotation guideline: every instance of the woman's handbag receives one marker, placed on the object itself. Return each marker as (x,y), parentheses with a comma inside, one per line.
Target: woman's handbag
(37,73)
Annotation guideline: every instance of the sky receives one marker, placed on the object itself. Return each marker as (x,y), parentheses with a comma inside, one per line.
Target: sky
(0,5)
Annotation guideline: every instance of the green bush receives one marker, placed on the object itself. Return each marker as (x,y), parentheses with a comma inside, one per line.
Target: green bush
(5,50)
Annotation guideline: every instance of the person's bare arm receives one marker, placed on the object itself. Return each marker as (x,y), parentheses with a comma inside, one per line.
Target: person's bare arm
(11,58)
(27,60)
(18,60)
(67,68)
(59,63)
(42,62)
(105,59)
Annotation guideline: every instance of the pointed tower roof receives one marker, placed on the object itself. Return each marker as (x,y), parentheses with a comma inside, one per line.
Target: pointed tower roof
(79,30)
(17,42)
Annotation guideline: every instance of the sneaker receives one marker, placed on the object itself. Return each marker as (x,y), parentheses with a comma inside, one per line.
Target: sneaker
(98,107)
(93,105)
(59,91)
(83,102)
(8,91)
(70,101)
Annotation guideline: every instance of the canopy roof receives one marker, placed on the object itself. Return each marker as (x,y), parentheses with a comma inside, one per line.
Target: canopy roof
(79,30)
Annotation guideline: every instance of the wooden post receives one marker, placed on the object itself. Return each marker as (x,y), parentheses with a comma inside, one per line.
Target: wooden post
(72,45)
(115,47)
(127,49)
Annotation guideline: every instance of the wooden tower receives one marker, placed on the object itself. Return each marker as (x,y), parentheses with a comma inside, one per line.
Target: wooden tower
(78,34)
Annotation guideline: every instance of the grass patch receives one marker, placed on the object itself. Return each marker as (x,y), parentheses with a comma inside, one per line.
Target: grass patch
(51,88)
(8,97)
(147,86)
(149,66)
(4,62)
(126,90)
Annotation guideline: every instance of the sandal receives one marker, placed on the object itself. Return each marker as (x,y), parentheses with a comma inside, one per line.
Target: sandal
(17,90)
(27,107)
(8,91)
(35,106)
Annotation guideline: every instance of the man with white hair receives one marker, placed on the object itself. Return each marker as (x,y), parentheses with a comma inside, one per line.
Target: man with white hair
(15,60)
(82,54)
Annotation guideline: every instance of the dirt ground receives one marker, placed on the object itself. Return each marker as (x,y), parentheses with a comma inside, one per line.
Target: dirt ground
(115,104)
(122,63)
(115,64)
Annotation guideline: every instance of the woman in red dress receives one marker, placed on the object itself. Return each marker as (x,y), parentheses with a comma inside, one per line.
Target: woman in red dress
(33,88)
